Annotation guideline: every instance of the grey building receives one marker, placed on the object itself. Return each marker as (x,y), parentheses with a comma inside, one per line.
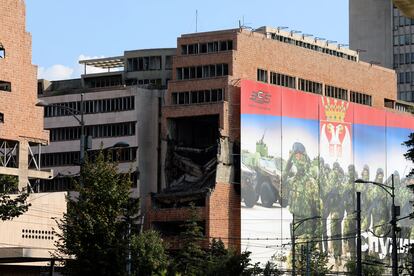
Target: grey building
(382,35)
(119,104)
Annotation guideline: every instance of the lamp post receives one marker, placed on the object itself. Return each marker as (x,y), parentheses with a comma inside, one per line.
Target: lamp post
(295,225)
(391,191)
(78,115)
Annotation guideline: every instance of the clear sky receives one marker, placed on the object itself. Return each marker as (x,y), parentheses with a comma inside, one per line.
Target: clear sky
(65,31)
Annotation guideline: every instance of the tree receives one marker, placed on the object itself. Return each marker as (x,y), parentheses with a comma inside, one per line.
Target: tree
(190,257)
(148,254)
(318,261)
(95,228)
(11,206)
(409,155)
(371,266)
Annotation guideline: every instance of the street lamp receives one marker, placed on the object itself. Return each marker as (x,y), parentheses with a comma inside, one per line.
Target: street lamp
(295,225)
(78,115)
(389,190)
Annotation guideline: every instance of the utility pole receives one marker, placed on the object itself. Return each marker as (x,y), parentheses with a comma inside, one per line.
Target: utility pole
(394,230)
(359,245)
(293,247)
(82,142)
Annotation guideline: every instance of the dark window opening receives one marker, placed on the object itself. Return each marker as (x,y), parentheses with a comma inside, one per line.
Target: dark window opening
(2,51)
(5,86)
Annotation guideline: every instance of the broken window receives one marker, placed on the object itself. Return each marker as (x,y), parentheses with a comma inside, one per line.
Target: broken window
(5,86)
(154,63)
(168,62)
(2,51)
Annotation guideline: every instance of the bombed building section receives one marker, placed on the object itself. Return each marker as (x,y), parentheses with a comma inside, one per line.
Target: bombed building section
(191,160)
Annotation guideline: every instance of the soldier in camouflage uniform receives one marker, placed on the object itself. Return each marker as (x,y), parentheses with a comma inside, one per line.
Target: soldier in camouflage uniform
(336,183)
(324,191)
(365,203)
(379,209)
(350,206)
(303,199)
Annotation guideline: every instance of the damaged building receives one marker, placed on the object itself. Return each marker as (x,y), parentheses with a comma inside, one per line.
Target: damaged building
(200,130)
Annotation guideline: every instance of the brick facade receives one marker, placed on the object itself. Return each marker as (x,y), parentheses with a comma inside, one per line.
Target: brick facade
(250,51)
(21,117)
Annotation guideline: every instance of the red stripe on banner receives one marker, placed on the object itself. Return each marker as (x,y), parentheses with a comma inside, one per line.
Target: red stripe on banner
(262,98)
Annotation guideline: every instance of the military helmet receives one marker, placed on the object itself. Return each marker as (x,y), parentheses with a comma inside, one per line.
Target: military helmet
(298,148)
(380,171)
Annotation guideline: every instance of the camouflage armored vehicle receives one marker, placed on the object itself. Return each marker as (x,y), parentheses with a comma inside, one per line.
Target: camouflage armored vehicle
(268,173)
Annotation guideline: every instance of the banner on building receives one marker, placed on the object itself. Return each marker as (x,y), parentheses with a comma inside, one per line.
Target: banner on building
(301,154)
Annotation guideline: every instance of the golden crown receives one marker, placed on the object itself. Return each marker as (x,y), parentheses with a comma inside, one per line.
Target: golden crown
(334,111)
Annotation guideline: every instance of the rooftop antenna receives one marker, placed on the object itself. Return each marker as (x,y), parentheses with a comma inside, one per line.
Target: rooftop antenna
(196,21)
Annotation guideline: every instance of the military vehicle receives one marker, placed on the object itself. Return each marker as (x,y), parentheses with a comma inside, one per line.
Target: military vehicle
(268,173)
(249,185)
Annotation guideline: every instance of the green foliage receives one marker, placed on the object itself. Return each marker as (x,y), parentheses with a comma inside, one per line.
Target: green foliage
(318,261)
(148,254)
(94,229)
(11,206)
(371,266)
(191,257)
(409,155)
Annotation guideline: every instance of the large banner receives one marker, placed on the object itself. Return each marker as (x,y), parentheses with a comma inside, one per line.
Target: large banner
(301,154)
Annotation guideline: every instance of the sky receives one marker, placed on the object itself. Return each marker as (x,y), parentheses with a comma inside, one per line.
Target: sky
(66,31)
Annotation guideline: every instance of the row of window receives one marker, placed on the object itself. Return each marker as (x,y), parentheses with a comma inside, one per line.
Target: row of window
(96,131)
(313,47)
(196,97)
(143,82)
(360,98)
(58,159)
(5,86)
(144,63)
(336,92)
(401,21)
(66,183)
(92,106)
(406,58)
(282,80)
(405,39)
(99,82)
(207,47)
(313,87)
(405,77)
(202,71)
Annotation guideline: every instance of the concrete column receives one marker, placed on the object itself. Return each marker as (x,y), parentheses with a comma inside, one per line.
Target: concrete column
(23,164)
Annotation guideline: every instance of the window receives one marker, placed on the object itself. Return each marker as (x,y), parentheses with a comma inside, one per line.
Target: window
(262,75)
(168,62)
(198,96)
(408,77)
(96,131)
(2,51)
(361,98)
(336,92)
(1,118)
(310,86)
(207,47)
(202,71)
(282,80)
(93,106)
(5,86)
(144,63)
